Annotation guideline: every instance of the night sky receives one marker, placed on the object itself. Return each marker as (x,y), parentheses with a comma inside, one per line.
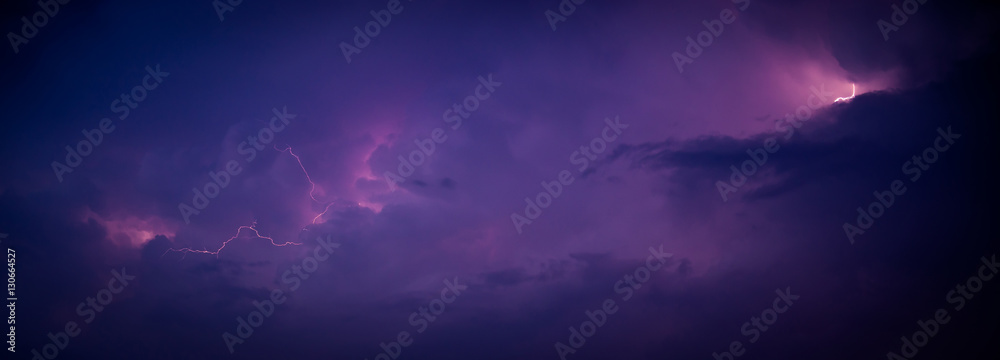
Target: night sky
(435,179)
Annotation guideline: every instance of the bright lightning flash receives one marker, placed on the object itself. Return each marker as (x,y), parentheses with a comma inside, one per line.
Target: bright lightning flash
(853,91)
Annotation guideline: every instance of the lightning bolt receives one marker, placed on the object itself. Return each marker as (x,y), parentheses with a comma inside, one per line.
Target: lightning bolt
(309,178)
(853,91)
(253,227)
(311,183)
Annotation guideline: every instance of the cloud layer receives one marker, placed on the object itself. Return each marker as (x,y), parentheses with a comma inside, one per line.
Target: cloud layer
(654,186)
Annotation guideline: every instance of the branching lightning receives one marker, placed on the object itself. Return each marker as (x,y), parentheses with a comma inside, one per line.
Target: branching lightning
(253,227)
(853,91)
